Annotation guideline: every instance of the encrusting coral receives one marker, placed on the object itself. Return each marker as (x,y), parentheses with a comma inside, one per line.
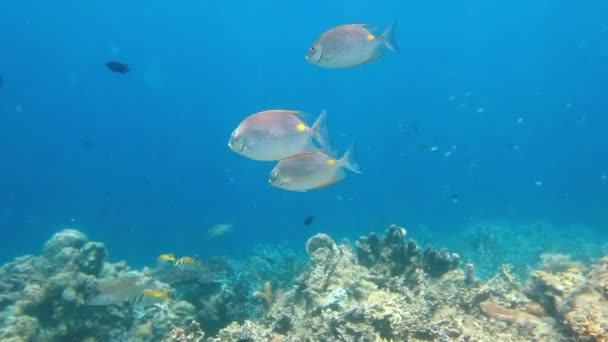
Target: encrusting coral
(577,297)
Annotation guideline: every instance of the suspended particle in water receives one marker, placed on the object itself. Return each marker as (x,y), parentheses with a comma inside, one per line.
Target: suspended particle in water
(514,147)
(519,121)
(603,177)
(538,183)
(480,110)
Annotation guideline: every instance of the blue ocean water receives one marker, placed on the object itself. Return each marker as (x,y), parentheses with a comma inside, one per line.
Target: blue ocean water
(491,111)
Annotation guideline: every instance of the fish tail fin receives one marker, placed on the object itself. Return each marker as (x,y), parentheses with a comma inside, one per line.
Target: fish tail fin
(348,160)
(319,131)
(388,37)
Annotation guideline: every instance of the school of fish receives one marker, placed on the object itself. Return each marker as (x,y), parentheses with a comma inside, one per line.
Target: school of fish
(305,159)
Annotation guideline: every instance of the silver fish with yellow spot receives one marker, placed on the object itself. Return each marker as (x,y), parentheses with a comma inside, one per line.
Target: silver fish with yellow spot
(278,134)
(350,45)
(312,170)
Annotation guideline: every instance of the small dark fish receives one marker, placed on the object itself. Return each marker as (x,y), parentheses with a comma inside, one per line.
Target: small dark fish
(309,220)
(118,67)
(87,144)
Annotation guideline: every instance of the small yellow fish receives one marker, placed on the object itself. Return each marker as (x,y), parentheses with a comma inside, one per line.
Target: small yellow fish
(164,294)
(350,45)
(312,170)
(149,297)
(184,261)
(167,257)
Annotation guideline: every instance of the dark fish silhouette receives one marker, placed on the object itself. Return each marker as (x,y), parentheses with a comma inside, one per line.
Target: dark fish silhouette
(309,220)
(118,67)
(87,144)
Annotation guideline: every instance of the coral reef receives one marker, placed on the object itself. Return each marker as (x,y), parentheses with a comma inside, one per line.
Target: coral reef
(382,289)
(389,289)
(45,297)
(490,244)
(578,298)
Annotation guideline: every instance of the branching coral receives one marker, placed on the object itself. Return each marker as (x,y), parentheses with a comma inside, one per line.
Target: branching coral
(393,256)
(266,295)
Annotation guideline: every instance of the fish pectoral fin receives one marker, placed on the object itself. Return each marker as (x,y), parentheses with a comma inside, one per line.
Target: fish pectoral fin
(331,182)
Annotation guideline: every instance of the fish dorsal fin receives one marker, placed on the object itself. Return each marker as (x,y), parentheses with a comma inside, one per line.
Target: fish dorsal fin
(297,113)
(331,182)
(302,116)
(356,25)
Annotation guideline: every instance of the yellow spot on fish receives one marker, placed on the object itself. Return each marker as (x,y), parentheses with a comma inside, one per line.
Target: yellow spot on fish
(301,127)
(331,161)
(371,37)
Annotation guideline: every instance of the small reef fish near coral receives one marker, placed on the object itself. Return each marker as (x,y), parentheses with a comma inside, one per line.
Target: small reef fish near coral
(111,291)
(308,220)
(218,230)
(184,261)
(150,297)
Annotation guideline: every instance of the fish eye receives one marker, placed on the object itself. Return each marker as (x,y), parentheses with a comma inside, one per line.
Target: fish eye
(313,49)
